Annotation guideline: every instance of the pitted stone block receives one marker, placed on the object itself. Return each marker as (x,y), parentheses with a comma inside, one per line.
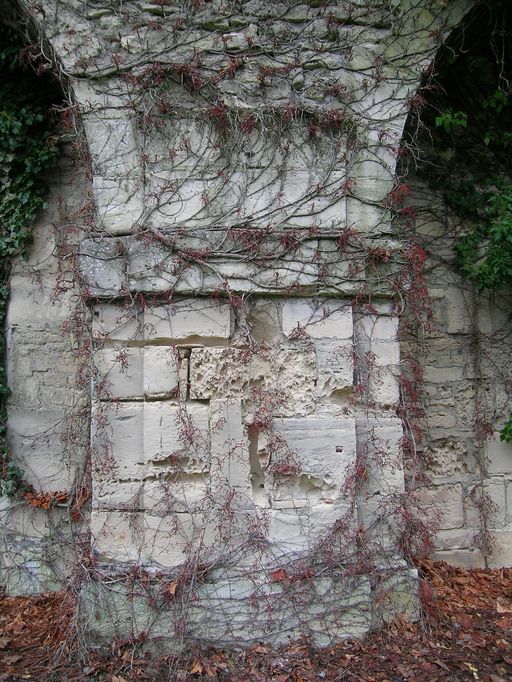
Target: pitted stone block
(230,372)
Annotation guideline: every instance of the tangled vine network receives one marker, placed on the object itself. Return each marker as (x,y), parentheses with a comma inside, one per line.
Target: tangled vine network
(257,347)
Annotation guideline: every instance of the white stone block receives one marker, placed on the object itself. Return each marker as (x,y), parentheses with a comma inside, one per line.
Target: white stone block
(161,371)
(445,499)
(118,373)
(229,446)
(117,438)
(175,436)
(171,540)
(288,531)
(176,492)
(499,456)
(494,492)
(115,322)
(119,204)
(335,366)
(378,441)
(188,319)
(324,448)
(117,536)
(378,327)
(329,318)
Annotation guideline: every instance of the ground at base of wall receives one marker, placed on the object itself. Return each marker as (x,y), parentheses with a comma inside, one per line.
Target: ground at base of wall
(465,634)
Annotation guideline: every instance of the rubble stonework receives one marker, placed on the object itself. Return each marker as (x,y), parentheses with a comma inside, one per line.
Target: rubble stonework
(218,385)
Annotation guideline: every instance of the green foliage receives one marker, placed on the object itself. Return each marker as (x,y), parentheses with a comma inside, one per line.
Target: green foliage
(27,149)
(450,120)
(506,432)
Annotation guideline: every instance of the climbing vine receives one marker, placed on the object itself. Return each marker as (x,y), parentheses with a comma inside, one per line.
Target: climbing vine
(28,147)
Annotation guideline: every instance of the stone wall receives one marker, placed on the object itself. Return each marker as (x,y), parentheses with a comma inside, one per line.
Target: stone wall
(222,320)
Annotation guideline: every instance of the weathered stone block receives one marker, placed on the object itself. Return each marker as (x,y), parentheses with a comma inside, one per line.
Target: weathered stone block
(335,367)
(175,436)
(324,448)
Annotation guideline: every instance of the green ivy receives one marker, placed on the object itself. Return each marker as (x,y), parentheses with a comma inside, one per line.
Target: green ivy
(28,148)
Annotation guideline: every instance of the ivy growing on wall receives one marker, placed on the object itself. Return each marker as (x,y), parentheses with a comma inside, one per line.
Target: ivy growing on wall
(28,147)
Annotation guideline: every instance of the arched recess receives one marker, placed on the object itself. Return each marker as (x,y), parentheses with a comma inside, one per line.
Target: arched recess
(455,175)
(45,437)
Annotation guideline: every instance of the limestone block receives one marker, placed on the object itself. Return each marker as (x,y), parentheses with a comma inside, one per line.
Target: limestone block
(335,367)
(228,372)
(289,530)
(502,553)
(119,372)
(176,493)
(263,321)
(188,318)
(499,456)
(33,522)
(332,521)
(162,371)
(445,499)
(117,536)
(102,266)
(35,440)
(175,435)
(465,558)
(229,446)
(119,204)
(152,266)
(459,538)
(117,495)
(458,311)
(494,492)
(171,540)
(115,322)
(328,318)
(112,144)
(442,375)
(378,442)
(377,328)
(324,448)
(117,439)
(183,143)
